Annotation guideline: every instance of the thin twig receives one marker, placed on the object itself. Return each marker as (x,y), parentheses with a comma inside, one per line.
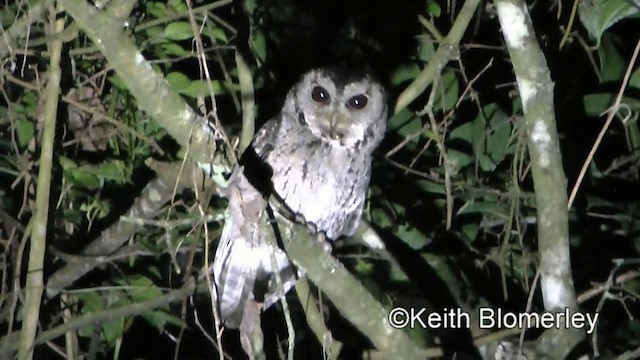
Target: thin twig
(610,114)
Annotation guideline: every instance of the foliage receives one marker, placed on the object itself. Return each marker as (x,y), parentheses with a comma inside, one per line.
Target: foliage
(451,193)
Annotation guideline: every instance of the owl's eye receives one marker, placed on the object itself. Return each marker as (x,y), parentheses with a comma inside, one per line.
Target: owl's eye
(358,102)
(320,95)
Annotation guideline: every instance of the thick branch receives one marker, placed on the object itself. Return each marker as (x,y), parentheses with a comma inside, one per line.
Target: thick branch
(147,85)
(536,92)
(35,283)
(19,29)
(9,345)
(349,296)
(157,193)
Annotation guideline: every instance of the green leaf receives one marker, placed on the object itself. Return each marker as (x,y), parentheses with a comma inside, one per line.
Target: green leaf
(178,81)
(470,231)
(632,134)
(117,82)
(143,288)
(155,32)
(612,64)
(486,163)
(598,15)
(24,131)
(478,135)
(364,267)
(66,163)
(173,49)
(598,104)
(84,176)
(114,170)
(259,45)
(73,215)
(8,14)
(458,159)
(200,87)
(426,49)
(498,141)
(217,35)
(412,237)
(156,9)
(180,30)
(431,186)
(433,8)
(447,95)
(404,73)
(485,208)
(28,103)
(159,319)
(463,132)
(387,217)
(96,207)
(446,273)
(177,6)
(405,123)
(634,80)
(112,330)
(597,202)
(93,302)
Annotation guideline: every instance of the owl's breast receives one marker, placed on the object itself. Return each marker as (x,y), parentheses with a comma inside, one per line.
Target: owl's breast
(323,183)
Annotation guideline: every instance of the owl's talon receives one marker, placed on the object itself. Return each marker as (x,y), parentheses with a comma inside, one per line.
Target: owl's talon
(322,239)
(299,219)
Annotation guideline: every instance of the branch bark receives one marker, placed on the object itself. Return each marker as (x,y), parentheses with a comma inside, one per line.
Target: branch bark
(9,345)
(550,184)
(367,314)
(447,50)
(35,284)
(147,85)
(157,193)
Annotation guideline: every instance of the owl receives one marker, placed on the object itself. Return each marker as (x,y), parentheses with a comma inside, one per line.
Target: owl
(314,159)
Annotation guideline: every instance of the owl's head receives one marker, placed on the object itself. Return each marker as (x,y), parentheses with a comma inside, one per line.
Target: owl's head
(345,109)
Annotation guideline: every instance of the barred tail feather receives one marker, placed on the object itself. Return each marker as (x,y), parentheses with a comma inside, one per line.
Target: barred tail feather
(234,269)
(242,265)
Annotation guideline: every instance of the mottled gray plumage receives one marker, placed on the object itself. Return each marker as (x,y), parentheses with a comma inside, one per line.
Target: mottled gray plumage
(315,157)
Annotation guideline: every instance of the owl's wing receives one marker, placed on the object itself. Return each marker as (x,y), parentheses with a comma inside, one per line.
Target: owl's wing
(254,158)
(265,139)
(353,219)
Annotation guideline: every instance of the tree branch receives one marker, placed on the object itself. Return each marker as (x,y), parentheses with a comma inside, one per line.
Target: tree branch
(38,244)
(446,51)
(367,314)
(550,184)
(148,86)
(10,345)
(157,193)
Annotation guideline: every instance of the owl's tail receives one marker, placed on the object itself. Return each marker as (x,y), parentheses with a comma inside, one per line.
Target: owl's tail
(245,260)
(234,270)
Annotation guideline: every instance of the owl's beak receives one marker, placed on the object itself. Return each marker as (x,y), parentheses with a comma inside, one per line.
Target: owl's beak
(338,124)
